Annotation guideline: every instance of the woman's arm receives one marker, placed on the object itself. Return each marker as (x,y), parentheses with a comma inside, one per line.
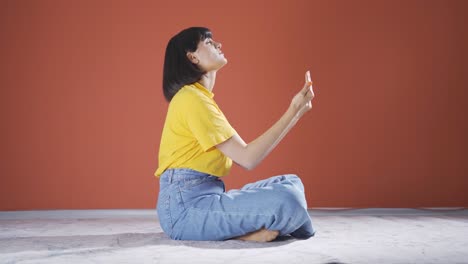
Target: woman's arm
(250,155)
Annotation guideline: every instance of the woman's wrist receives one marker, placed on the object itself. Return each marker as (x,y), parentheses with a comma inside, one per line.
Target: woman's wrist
(292,113)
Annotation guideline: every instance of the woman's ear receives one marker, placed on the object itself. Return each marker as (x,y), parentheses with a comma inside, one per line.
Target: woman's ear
(192,58)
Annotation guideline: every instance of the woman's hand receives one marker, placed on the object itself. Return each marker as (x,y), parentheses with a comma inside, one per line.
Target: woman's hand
(302,102)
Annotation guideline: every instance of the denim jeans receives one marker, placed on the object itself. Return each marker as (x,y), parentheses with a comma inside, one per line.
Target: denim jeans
(195,206)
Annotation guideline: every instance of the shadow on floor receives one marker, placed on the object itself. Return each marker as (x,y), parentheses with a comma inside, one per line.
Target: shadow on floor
(125,240)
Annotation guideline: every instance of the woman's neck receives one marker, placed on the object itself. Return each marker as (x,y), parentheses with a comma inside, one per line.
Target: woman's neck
(208,80)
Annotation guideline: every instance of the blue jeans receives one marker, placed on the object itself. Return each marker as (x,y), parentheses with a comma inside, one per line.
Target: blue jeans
(195,206)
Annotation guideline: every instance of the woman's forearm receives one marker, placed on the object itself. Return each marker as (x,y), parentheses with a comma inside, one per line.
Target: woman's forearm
(258,149)
(250,155)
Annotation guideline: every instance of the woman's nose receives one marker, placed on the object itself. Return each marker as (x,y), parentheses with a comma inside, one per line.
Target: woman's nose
(219,45)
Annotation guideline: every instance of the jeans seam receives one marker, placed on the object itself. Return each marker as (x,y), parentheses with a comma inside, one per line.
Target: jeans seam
(168,202)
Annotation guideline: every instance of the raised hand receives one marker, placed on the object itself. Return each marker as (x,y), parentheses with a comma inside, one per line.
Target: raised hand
(302,101)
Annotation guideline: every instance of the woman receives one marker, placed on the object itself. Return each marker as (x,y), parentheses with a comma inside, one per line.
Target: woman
(198,146)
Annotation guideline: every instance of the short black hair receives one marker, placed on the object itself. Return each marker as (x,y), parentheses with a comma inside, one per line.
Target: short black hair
(178,69)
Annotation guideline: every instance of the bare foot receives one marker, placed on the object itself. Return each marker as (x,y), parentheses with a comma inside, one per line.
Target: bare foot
(262,235)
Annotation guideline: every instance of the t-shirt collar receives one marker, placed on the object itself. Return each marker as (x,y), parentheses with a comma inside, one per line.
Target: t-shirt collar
(204,90)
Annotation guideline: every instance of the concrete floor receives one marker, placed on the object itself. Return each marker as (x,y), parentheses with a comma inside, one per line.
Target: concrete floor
(134,236)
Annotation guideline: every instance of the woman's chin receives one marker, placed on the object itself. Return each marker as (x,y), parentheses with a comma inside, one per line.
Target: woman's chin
(224,62)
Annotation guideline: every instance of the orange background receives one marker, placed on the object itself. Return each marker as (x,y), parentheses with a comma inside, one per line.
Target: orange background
(82,107)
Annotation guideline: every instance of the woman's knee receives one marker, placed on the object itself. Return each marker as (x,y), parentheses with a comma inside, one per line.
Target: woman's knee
(293,177)
(290,197)
(295,180)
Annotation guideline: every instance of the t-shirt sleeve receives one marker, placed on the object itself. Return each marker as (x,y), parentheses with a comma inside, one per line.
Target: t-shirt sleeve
(208,124)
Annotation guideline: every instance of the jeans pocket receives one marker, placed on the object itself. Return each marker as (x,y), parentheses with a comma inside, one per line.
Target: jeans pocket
(189,184)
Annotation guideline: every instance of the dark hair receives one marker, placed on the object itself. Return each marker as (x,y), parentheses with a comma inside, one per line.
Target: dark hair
(178,69)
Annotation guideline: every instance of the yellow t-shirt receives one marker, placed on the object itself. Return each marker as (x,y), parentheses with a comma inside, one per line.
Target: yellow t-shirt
(194,125)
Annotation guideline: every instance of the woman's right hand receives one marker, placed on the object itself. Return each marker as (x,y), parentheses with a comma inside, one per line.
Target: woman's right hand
(302,102)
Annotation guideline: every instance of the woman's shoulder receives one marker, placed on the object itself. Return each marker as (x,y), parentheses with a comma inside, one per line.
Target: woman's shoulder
(188,93)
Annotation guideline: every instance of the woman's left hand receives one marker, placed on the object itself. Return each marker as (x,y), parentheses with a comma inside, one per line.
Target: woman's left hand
(302,102)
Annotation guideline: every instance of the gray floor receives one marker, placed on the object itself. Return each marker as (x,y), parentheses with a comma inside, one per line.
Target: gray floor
(134,236)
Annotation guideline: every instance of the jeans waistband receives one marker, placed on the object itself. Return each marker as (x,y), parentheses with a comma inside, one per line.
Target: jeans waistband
(183,174)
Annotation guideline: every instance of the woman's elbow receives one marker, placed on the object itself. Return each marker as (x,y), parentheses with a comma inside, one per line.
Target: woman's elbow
(248,165)
(249,168)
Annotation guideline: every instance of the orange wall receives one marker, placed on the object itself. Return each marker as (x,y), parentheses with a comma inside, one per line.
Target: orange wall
(82,108)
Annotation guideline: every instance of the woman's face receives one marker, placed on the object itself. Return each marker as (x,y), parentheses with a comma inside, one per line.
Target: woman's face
(208,55)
